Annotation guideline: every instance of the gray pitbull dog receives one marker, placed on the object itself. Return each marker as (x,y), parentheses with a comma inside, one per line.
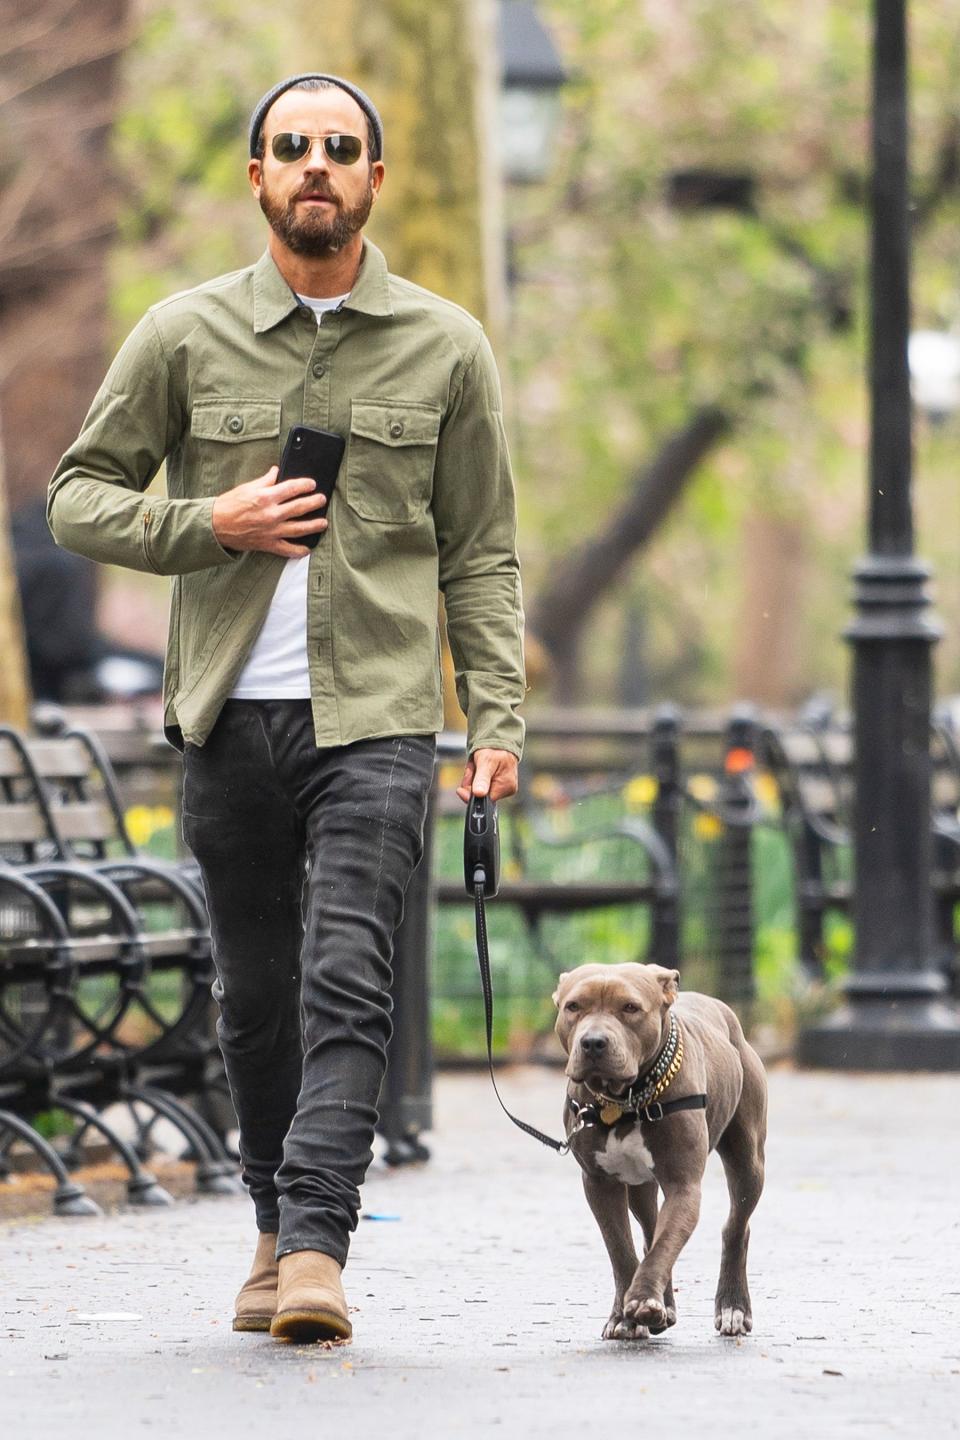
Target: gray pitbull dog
(635,1048)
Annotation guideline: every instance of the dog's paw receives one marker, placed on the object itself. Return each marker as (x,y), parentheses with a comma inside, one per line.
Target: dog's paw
(733,1320)
(671,1315)
(648,1312)
(618,1327)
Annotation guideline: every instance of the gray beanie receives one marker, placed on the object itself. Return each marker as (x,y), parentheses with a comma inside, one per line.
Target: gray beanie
(362,99)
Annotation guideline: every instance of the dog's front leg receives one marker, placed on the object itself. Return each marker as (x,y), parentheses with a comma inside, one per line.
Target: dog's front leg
(644,1302)
(642,1200)
(608,1201)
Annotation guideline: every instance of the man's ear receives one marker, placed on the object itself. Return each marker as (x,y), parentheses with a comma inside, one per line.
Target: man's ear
(670,981)
(555,997)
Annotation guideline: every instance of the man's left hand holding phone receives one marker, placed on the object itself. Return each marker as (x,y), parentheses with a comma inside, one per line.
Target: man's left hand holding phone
(281,512)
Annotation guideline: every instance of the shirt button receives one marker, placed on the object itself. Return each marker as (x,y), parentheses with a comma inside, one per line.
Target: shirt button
(305,313)
(396,429)
(319,369)
(235,424)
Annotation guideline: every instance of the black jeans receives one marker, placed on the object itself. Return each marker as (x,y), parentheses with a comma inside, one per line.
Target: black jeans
(305,856)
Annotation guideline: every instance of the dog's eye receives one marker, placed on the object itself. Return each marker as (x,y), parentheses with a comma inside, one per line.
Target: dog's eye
(571,1005)
(631,1008)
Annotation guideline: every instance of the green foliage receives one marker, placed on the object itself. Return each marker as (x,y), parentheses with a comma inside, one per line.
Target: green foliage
(629,312)
(192,78)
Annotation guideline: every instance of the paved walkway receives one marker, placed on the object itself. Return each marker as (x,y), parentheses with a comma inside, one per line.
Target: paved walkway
(481,1304)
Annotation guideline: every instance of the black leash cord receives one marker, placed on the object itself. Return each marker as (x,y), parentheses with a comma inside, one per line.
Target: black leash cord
(483,955)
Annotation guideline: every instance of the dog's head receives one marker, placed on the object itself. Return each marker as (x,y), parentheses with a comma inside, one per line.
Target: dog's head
(612,1020)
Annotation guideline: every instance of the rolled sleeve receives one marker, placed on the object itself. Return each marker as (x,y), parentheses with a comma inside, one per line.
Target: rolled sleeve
(96,505)
(475,514)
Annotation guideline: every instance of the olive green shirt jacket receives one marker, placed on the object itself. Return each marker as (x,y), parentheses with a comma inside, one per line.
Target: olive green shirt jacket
(211,381)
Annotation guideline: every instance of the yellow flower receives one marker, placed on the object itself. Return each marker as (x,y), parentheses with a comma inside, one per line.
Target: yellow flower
(707,827)
(767,789)
(702,787)
(140,824)
(143,822)
(640,792)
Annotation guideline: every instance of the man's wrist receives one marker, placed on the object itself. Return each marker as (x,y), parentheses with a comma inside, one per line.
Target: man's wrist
(505,747)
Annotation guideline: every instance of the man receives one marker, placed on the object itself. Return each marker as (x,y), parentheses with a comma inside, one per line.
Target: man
(303,685)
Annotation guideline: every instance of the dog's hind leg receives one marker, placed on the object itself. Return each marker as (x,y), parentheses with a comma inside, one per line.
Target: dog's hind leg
(741,1149)
(642,1200)
(608,1201)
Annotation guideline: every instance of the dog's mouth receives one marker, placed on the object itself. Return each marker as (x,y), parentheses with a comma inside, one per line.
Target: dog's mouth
(613,1085)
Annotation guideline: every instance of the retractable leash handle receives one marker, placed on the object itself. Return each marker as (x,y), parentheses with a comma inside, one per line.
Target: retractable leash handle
(481,873)
(481,846)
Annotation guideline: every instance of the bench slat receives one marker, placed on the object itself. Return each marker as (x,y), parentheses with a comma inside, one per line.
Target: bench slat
(59,759)
(21,824)
(83,820)
(555,896)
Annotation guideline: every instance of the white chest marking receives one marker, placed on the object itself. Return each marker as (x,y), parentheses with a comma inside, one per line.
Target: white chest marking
(627,1160)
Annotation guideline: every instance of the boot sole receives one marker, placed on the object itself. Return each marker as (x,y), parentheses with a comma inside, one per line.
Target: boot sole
(310,1325)
(252,1322)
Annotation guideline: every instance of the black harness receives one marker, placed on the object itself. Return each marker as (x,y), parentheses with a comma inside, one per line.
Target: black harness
(587,1115)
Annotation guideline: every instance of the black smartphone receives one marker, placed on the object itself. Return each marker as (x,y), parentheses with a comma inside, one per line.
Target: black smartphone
(316,454)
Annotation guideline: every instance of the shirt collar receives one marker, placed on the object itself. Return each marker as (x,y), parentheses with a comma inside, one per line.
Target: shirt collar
(274,300)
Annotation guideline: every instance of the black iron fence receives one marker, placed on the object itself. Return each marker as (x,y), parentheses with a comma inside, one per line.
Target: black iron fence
(715,844)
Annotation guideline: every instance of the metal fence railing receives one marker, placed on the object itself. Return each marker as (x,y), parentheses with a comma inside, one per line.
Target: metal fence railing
(716,844)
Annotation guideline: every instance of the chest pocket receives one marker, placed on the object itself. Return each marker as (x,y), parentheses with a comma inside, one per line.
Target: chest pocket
(234,440)
(388,470)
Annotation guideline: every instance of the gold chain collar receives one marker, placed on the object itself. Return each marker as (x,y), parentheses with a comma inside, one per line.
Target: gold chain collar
(613,1109)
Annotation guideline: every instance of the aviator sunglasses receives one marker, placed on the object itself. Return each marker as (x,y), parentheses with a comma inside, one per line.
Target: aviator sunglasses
(289,146)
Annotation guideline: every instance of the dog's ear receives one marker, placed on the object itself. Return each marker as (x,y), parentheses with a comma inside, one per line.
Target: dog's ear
(669,979)
(555,997)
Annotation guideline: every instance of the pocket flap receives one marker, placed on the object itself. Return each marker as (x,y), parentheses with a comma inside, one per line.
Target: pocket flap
(395,422)
(225,417)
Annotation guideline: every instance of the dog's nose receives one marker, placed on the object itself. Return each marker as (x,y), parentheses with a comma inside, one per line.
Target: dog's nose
(593,1044)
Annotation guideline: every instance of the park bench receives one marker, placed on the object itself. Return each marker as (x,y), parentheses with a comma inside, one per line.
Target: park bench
(105,968)
(812,763)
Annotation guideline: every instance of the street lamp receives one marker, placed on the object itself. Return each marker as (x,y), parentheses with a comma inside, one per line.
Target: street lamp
(934,357)
(896,1014)
(532,75)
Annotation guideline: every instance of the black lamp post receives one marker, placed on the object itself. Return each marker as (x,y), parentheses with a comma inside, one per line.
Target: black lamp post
(896,1014)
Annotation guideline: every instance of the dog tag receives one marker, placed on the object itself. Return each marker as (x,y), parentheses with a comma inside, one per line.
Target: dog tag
(611,1113)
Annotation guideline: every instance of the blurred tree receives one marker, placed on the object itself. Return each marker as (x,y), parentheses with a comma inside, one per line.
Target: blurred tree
(698,249)
(58,67)
(14,692)
(58,94)
(433,72)
(701,245)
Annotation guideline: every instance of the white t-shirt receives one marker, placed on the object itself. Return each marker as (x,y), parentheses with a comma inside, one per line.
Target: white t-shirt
(276,667)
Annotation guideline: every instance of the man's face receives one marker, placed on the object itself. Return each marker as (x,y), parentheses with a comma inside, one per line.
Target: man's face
(315,205)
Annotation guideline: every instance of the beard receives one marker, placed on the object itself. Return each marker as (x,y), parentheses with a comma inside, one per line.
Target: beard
(312,233)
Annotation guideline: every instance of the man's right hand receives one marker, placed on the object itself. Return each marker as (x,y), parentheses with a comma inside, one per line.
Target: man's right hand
(262,515)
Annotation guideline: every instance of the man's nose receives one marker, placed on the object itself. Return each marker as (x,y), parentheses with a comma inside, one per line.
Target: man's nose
(593,1044)
(317,158)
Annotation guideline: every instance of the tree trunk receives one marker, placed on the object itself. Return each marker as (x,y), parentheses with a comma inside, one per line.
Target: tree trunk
(58,80)
(432,71)
(767,662)
(560,612)
(14,690)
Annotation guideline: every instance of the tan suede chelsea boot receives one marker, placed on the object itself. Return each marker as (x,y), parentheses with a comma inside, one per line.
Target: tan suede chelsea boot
(310,1301)
(256,1304)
